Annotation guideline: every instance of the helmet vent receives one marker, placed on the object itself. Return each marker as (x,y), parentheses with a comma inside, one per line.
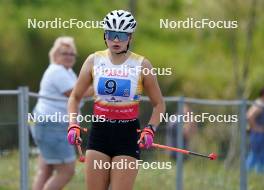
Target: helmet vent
(121,24)
(108,24)
(126,27)
(114,23)
(134,25)
(119,14)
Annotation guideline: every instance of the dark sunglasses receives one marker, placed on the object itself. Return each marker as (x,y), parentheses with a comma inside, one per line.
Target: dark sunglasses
(68,54)
(112,35)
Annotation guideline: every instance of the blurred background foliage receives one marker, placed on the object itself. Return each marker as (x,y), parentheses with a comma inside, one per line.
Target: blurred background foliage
(206,63)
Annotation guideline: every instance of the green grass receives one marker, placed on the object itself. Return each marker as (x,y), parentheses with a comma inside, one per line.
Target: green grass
(198,174)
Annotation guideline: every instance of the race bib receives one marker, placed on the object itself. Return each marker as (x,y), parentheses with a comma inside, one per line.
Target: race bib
(114,87)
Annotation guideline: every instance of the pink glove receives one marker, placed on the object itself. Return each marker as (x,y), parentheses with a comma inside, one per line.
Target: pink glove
(146,138)
(73,136)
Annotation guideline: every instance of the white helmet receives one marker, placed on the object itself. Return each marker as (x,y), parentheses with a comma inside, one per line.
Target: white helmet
(120,21)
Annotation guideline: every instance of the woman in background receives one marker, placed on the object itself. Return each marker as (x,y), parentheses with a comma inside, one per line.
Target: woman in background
(56,161)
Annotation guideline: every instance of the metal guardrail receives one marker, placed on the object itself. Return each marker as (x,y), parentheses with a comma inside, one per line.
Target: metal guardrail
(143,98)
(9,92)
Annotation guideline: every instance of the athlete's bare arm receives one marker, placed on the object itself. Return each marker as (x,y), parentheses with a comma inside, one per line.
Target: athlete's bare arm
(151,87)
(82,85)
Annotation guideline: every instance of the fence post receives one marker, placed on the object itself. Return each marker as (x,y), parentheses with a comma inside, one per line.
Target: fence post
(243,145)
(23,102)
(179,164)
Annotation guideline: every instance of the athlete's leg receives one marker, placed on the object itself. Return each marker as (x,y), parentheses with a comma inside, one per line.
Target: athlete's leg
(97,178)
(123,178)
(43,174)
(61,176)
